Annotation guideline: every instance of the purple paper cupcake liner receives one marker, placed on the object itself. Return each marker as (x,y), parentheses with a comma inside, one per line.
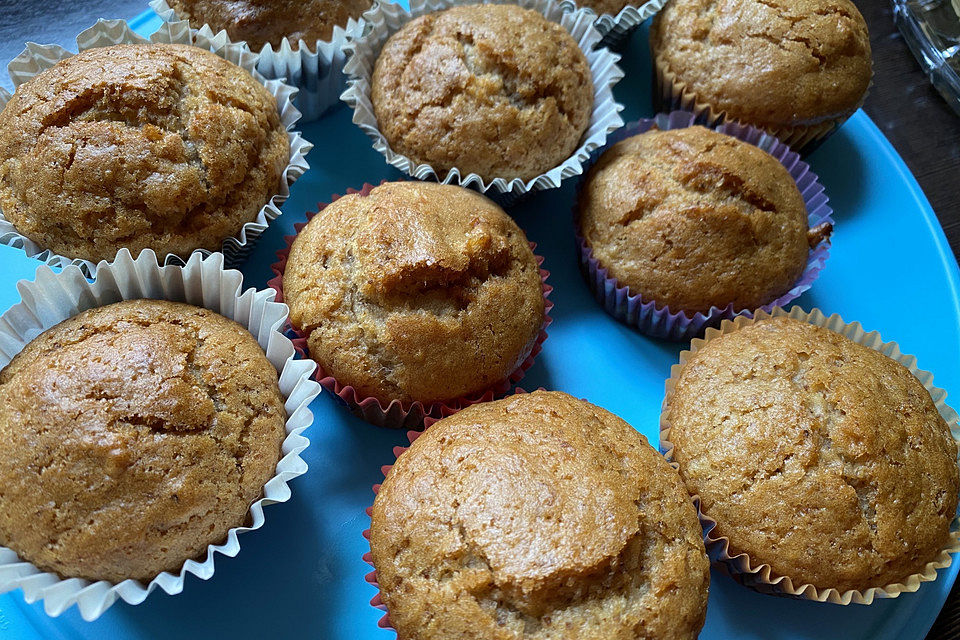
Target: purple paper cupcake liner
(643,314)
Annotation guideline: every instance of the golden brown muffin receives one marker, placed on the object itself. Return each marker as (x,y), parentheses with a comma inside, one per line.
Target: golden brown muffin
(166,147)
(418,291)
(134,435)
(777,64)
(495,90)
(538,516)
(271,21)
(818,456)
(692,218)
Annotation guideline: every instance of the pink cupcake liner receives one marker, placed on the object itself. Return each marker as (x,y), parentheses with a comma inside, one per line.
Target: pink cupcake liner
(643,314)
(397,414)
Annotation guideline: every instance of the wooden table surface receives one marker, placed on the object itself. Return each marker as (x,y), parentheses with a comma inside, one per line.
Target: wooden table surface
(902,103)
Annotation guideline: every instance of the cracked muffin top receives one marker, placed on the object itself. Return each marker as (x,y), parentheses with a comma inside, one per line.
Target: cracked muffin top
(417,291)
(692,219)
(821,457)
(491,89)
(166,147)
(767,62)
(259,22)
(538,516)
(134,435)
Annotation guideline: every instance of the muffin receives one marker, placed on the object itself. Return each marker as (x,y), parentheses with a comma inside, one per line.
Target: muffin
(495,90)
(796,68)
(135,435)
(815,455)
(694,219)
(261,22)
(415,292)
(167,147)
(537,516)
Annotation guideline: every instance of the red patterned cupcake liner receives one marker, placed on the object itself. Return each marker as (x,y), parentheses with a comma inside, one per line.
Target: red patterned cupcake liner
(371,578)
(397,414)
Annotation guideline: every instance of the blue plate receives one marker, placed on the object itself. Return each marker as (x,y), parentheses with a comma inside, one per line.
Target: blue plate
(301,576)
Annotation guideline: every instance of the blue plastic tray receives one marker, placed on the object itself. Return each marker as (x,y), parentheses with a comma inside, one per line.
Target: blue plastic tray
(301,576)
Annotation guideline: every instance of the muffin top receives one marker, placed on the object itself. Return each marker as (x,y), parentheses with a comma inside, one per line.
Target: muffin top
(821,457)
(692,218)
(418,291)
(767,62)
(271,21)
(134,435)
(537,516)
(167,147)
(491,89)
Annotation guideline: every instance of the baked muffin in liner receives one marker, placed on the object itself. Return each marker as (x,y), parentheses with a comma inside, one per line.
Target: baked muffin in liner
(38,58)
(760,577)
(397,414)
(671,94)
(53,297)
(387,18)
(677,324)
(371,577)
(314,68)
(615,30)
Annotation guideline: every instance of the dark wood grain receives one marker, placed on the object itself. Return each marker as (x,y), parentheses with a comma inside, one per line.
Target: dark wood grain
(902,103)
(914,118)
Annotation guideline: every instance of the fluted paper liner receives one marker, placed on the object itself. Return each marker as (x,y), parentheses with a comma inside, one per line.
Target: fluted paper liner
(386,19)
(760,577)
(53,297)
(616,29)
(396,414)
(670,93)
(677,324)
(37,58)
(315,68)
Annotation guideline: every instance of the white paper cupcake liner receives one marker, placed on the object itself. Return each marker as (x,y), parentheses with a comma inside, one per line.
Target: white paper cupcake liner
(386,19)
(37,58)
(316,69)
(616,29)
(53,297)
(760,577)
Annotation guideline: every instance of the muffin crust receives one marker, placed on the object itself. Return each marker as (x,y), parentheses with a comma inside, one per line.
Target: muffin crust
(818,456)
(271,21)
(418,291)
(537,516)
(134,435)
(167,147)
(692,218)
(770,63)
(495,90)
